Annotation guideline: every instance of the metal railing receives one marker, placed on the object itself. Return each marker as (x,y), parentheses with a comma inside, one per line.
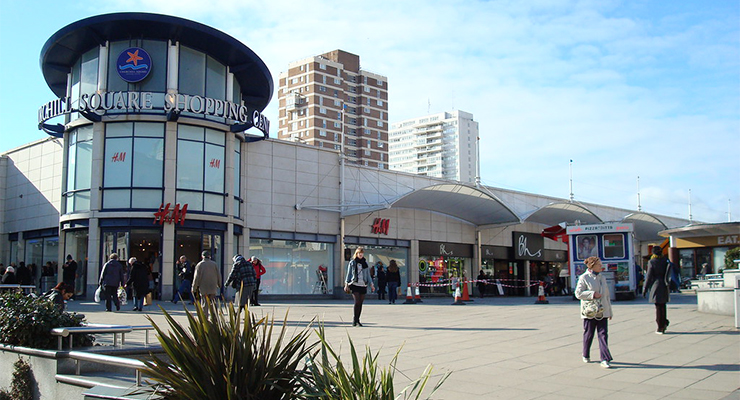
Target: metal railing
(27,289)
(70,331)
(79,356)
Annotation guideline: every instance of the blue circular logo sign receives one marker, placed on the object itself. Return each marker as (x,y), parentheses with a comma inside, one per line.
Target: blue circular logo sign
(134,64)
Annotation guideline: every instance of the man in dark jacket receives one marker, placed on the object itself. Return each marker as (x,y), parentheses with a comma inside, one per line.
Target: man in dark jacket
(111,278)
(9,276)
(185,272)
(69,272)
(23,274)
(656,281)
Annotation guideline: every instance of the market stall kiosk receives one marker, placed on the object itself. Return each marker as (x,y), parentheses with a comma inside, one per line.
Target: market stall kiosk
(613,244)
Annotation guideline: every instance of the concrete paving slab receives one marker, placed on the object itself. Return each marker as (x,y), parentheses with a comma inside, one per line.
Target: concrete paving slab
(510,348)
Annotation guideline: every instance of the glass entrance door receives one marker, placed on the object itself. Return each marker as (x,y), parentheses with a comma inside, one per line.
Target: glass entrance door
(115,242)
(191,243)
(704,256)
(144,244)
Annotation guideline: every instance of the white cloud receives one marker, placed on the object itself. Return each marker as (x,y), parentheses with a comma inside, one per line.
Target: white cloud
(622,88)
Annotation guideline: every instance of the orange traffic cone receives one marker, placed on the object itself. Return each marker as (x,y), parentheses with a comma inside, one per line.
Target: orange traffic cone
(541,295)
(465,295)
(409,296)
(417,296)
(458,300)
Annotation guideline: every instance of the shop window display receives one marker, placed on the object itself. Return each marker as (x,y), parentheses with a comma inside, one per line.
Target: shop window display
(376,255)
(439,274)
(291,266)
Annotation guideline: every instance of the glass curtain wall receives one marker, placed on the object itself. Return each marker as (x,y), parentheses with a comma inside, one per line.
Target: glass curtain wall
(134,165)
(237,199)
(84,78)
(200,168)
(38,253)
(79,167)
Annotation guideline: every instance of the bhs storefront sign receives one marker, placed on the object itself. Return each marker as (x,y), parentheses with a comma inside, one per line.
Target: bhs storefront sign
(529,246)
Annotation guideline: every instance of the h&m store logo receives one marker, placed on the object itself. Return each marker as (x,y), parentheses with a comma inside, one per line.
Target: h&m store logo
(381,225)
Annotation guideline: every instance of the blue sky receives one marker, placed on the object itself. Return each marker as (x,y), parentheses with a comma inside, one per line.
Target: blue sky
(622,88)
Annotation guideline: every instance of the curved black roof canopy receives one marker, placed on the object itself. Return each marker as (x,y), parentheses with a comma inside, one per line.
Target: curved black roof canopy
(66,46)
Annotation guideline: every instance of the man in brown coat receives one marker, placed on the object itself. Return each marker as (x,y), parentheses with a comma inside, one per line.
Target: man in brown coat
(207,280)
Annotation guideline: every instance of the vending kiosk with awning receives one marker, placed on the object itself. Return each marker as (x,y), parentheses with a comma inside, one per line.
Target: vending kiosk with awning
(613,244)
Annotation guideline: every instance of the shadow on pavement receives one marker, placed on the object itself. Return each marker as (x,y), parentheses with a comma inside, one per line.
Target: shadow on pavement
(711,367)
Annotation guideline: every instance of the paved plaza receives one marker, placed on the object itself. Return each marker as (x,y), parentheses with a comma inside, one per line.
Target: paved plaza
(513,349)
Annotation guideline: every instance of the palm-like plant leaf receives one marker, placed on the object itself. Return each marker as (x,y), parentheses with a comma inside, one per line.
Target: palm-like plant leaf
(228,356)
(330,379)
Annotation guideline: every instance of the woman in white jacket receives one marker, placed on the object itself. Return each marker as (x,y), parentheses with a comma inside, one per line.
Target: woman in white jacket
(592,286)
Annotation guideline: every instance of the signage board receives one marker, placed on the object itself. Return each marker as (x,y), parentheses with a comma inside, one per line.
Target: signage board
(528,246)
(99,103)
(134,64)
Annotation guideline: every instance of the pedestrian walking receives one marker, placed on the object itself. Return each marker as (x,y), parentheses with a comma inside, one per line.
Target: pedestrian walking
(9,277)
(259,270)
(242,278)
(596,310)
(656,282)
(206,280)
(138,280)
(394,281)
(675,277)
(23,274)
(185,272)
(482,278)
(69,272)
(381,275)
(357,280)
(111,278)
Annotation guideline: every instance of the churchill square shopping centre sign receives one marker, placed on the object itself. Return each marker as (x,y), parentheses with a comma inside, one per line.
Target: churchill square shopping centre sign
(98,104)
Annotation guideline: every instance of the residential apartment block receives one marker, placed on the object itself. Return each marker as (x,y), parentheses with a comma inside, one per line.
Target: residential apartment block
(326,97)
(441,145)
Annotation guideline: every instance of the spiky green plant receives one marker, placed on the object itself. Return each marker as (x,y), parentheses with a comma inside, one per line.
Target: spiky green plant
(231,356)
(364,379)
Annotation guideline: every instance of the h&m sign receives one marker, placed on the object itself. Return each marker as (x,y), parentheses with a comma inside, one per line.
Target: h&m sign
(170,215)
(381,225)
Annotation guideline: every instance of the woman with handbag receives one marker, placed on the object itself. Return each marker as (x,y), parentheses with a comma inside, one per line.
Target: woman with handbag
(357,280)
(596,309)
